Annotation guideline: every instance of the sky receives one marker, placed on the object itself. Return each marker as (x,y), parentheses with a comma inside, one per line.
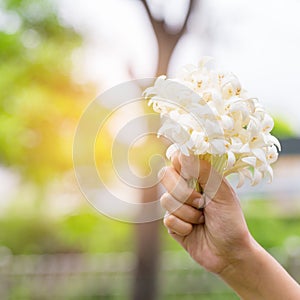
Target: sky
(258,40)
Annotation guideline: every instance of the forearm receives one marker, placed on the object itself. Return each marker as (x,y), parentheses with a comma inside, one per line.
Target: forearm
(259,276)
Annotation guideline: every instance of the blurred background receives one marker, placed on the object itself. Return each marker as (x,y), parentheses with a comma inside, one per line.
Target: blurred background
(55,58)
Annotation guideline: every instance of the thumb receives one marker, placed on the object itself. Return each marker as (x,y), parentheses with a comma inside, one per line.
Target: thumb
(214,186)
(189,166)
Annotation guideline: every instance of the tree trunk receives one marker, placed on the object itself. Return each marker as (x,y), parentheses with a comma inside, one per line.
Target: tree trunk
(147,234)
(148,248)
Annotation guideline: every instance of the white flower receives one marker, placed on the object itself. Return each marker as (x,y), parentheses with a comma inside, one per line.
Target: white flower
(207,113)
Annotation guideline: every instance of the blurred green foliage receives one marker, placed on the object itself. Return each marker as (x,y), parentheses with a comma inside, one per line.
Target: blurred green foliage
(39,102)
(82,231)
(270,227)
(282,128)
(86,231)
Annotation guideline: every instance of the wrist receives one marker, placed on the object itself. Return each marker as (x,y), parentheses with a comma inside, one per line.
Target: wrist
(255,274)
(246,250)
(242,272)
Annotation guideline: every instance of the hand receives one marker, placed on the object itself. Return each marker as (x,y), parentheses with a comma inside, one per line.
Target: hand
(215,237)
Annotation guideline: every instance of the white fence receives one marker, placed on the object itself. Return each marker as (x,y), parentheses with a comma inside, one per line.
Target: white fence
(109,276)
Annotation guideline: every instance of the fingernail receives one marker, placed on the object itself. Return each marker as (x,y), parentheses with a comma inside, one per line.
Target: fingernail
(161,173)
(197,202)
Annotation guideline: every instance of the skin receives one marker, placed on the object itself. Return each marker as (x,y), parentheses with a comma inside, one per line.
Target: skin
(217,237)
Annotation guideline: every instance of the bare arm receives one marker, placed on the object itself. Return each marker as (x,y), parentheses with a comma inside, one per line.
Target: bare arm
(218,238)
(259,276)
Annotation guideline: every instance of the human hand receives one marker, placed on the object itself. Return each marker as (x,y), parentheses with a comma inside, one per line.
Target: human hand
(215,237)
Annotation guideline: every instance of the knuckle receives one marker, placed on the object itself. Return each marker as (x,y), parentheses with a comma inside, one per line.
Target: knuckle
(181,191)
(185,194)
(195,214)
(187,230)
(169,221)
(164,200)
(167,171)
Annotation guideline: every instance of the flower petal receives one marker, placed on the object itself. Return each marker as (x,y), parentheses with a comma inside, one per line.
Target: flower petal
(171,150)
(257,176)
(250,160)
(230,159)
(260,154)
(241,180)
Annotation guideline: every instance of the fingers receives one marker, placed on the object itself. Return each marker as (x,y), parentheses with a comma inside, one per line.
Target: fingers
(175,162)
(184,212)
(190,166)
(202,172)
(176,225)
(212,183)
(179,189)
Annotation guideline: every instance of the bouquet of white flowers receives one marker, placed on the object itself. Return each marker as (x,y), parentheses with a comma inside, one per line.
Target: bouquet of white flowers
(207,113)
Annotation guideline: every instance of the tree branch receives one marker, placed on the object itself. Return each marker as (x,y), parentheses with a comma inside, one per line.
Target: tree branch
(158,25)
(152,20)
(191,6)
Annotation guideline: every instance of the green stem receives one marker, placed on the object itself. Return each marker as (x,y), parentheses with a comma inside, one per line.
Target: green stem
(194,184)
(218,162)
